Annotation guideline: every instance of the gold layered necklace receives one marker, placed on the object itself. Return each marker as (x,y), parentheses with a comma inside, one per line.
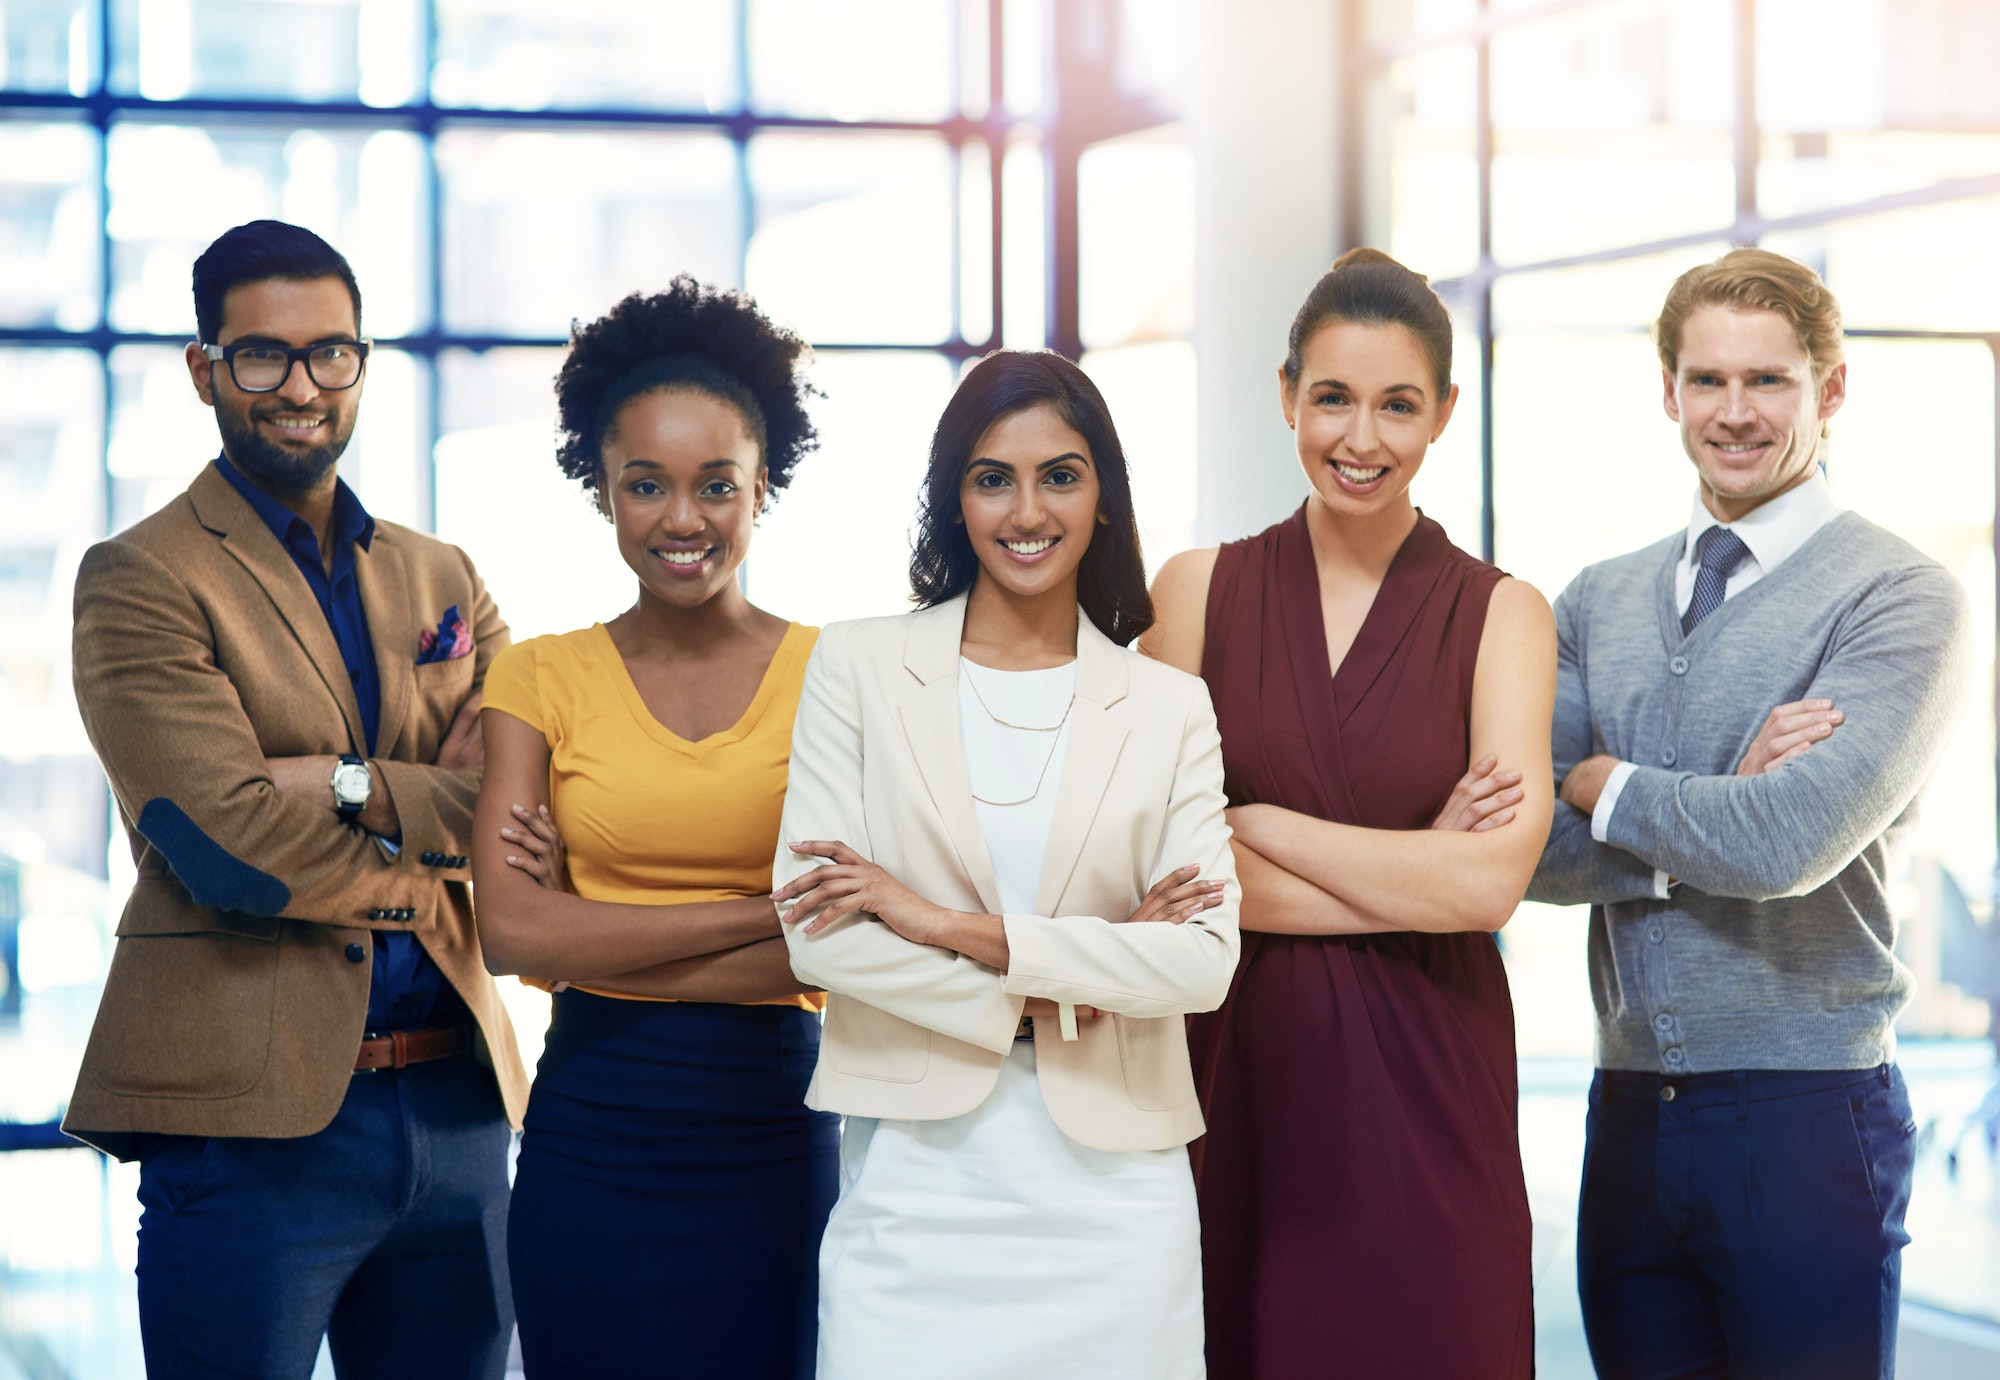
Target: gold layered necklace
(1054,729)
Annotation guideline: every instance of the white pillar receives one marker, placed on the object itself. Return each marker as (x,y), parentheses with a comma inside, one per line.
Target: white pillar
(1263,109)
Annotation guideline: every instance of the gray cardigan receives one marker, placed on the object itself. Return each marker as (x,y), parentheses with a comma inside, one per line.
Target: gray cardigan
(1775,949)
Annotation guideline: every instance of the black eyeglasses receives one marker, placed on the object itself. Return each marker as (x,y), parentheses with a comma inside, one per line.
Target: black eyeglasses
(260,368)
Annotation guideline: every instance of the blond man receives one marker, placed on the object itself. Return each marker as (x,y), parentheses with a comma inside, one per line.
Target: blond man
(1745,714)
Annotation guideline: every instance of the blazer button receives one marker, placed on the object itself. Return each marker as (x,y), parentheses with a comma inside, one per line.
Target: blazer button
(409,913)
(459,860)
(429,859)
(375,912)
(355,953)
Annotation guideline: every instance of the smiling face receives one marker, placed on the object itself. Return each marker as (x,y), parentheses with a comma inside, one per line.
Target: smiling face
(1749,408)
(1029,499)
(683,482)
(1364,410)
(287,441)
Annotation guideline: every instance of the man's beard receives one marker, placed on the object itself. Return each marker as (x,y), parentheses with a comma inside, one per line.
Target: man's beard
(277,469)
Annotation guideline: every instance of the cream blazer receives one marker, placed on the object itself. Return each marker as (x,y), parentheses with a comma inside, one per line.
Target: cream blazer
(918,1032)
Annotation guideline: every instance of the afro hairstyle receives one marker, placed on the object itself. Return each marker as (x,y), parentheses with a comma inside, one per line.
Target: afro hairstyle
(711,340)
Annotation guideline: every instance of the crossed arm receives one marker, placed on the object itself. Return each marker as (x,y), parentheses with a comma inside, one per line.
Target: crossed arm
(1854,753)
(531,924)
(242,831)
(863,932)
(1304,875)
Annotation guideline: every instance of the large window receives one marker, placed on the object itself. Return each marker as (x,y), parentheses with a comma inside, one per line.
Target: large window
(1556,165)
(907,183)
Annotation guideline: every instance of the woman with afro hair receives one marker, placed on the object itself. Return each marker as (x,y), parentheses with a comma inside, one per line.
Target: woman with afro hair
(672,1185)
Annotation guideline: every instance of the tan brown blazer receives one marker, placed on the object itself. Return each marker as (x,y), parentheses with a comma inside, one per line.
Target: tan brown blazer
(239,984)
(918,1032)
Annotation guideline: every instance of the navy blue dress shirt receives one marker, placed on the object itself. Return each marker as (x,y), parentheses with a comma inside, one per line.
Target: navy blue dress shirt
(405,985)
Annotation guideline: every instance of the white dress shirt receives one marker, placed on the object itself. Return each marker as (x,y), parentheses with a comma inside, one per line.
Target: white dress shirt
(1772,531)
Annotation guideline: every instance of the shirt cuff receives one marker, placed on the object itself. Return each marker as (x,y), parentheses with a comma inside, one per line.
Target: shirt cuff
(1663,885)
(1607,801)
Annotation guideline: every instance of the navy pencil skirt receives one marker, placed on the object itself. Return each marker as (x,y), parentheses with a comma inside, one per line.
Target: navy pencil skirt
(670,1193)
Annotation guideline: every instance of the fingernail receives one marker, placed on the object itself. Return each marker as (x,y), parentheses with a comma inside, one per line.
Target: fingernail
(512,858)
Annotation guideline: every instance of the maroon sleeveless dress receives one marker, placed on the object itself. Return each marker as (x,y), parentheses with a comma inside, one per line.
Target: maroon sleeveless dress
(1362,1205)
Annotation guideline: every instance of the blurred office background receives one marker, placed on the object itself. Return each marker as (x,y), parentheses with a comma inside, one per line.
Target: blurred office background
(1148,185)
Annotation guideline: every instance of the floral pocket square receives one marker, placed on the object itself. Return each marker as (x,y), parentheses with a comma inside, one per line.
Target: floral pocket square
(449,641)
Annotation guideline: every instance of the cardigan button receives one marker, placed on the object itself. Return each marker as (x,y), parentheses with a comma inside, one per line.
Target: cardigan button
(355,953)
(1679,665)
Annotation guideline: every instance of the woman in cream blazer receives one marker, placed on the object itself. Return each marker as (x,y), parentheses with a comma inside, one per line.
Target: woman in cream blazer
(1009,869)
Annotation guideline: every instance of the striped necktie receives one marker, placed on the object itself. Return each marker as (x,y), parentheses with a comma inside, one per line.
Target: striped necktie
(1720,551)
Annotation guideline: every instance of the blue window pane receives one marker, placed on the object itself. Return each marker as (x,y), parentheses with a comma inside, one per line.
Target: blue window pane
(51,509)
(861,60)
(48,45)
(174,188)
(609,54)
(542,227)
(854,235)
(48,225)
(502,497)
(328,50)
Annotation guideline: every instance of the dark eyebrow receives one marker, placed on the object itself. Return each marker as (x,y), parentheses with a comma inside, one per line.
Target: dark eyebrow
(1392,388)
(643,464)
(260,339)
(1050,463)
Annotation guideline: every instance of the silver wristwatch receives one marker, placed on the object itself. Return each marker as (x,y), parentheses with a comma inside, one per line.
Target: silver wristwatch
(352,783)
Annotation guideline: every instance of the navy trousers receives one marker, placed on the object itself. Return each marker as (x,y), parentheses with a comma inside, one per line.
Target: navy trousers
(385,1233)
(1746,1224)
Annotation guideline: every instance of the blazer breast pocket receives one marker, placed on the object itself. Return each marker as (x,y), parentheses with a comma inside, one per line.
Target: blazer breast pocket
(863,1041)
(436,676)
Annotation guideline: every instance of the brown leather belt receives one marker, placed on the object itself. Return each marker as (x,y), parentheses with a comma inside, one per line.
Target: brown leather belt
(400,1048)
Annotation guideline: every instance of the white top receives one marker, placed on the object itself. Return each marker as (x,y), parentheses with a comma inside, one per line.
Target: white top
(1772,531)
(1015,764)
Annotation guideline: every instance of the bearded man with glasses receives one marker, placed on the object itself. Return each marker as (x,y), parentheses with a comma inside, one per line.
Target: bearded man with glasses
(298,1039)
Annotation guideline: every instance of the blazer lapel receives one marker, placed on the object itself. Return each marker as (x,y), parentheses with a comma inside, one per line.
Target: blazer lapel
(222,511)
(1096,739)
(930,721)
(385,597)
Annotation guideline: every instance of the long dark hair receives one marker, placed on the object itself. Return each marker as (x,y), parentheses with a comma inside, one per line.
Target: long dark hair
(1111,579)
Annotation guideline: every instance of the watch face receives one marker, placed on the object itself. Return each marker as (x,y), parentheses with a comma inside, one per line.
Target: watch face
(350,783)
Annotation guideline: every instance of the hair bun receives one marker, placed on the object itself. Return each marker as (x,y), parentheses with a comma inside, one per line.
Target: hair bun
(1365,254)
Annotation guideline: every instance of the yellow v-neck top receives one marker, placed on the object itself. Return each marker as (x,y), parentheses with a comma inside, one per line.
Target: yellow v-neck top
(650,818)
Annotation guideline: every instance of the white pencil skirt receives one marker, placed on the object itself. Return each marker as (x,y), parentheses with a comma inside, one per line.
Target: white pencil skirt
(992,1245)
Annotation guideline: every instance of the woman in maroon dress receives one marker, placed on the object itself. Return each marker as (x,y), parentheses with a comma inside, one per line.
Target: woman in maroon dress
(1384,701)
